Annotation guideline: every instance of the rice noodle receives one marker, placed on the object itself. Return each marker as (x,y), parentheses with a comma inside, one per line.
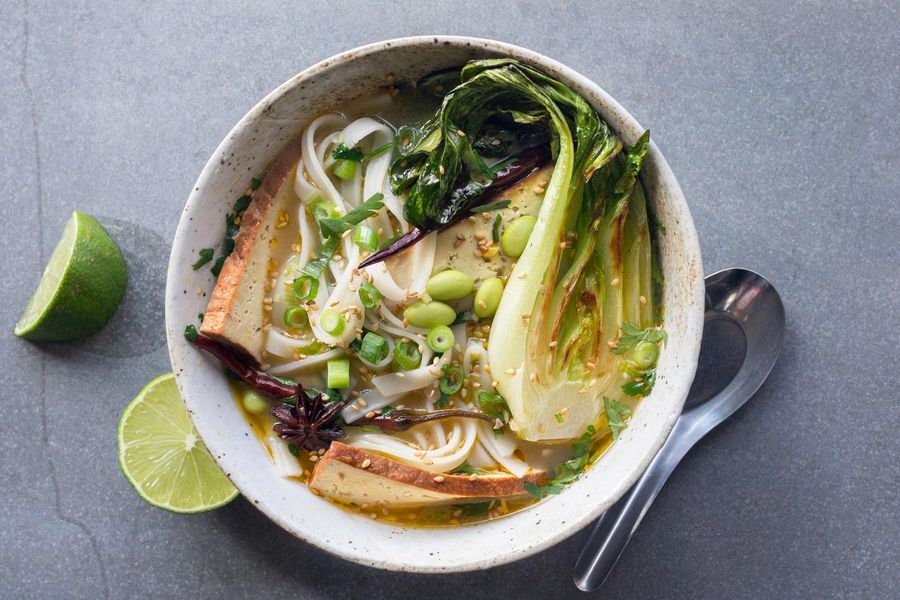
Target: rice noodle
(453,451)
(305,363)
(286,464)
(374,401)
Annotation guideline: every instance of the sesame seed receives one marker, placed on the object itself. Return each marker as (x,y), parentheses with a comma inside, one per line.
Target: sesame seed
(510,371)
(473,477)
(460,133)
(439,479)
(611,344)
(614,282)
(370,414)
(533,376)
(441,169)
(643,299)
(590,365)
(366,463)
(582,391)
(495,383)
(553,344)
(495,142)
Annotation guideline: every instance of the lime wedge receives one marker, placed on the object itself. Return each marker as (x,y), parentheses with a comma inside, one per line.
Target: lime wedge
(163,457)
(81,286)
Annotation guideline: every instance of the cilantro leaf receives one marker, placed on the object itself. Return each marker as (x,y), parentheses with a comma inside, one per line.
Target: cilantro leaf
(342,152)
(616,412)
(642,387)
(472,510)
(635,335)
(539,491)
(493,405)
(335,227)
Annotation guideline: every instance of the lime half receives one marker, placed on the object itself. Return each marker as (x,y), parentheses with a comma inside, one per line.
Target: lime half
(81,287)
(163,457)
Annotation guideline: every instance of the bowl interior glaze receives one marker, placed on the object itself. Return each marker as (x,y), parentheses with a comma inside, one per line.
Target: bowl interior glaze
(244,153)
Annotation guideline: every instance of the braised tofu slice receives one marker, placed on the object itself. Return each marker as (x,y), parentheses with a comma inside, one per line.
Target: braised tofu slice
(350,474)
(235,312)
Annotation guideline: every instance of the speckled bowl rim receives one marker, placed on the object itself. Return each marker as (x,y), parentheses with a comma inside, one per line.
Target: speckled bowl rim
(578,514)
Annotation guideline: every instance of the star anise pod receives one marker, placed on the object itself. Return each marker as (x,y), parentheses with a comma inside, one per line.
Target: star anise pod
(311,423)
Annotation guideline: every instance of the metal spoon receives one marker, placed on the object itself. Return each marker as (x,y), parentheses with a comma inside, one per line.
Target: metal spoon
(742,335)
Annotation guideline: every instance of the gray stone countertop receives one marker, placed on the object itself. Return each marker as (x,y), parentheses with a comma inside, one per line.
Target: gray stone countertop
(779,118)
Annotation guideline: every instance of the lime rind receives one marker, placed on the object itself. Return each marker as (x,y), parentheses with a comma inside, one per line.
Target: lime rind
(163,457)
(80,288)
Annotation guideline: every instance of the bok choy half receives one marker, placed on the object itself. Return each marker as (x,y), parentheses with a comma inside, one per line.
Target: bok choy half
(583,283)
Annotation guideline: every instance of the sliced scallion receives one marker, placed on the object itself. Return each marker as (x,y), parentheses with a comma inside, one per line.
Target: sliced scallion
(344,169)
(451,379)
(365,237)
(332,322)
(406,356)
(373,347)
(296,317)
(440,338)
(339,373)
(306,287)
(369,295)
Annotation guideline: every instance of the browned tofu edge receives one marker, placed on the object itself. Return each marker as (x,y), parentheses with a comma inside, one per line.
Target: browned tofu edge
(222,299)
(464,486)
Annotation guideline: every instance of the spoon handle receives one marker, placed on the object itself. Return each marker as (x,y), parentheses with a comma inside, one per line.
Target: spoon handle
(614,528)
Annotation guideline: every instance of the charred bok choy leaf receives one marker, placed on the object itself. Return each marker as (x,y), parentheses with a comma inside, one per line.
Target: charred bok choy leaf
(590,252)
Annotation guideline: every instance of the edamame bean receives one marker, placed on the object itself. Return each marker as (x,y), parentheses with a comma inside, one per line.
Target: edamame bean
(515,236)
(254,403)
(487,298)
(645,355)
(428,315)
(449,285)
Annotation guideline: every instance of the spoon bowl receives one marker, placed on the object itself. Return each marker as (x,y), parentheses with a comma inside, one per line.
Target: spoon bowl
(742,336)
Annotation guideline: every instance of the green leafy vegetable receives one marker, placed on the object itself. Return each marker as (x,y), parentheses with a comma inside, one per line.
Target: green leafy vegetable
(206,255)
(635,335)
(616,413)
(490,206)
(467,469)
(475,509)
(643,386)
(570,470)
(495,229)
(342,152)
(334,227)
(217,267)
(190,332)
(493,405)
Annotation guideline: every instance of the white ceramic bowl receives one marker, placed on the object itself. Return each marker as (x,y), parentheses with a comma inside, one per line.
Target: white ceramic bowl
(244,153)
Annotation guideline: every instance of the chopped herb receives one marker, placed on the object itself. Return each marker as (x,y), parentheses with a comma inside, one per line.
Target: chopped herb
(642,387)
(495,230)
(293,449)
(190,332)
(387,410)
(379,150)
(342,152)
(242,203)
(616,412)
(493,405)
(475,509)
(490,206)
(217,268)
(559,417)
(467,469)
(370,428)
(451,380)
(635,335)
(206,255)
(200,317)
(570,470)
(466,316)
(335,227)
(443,401)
